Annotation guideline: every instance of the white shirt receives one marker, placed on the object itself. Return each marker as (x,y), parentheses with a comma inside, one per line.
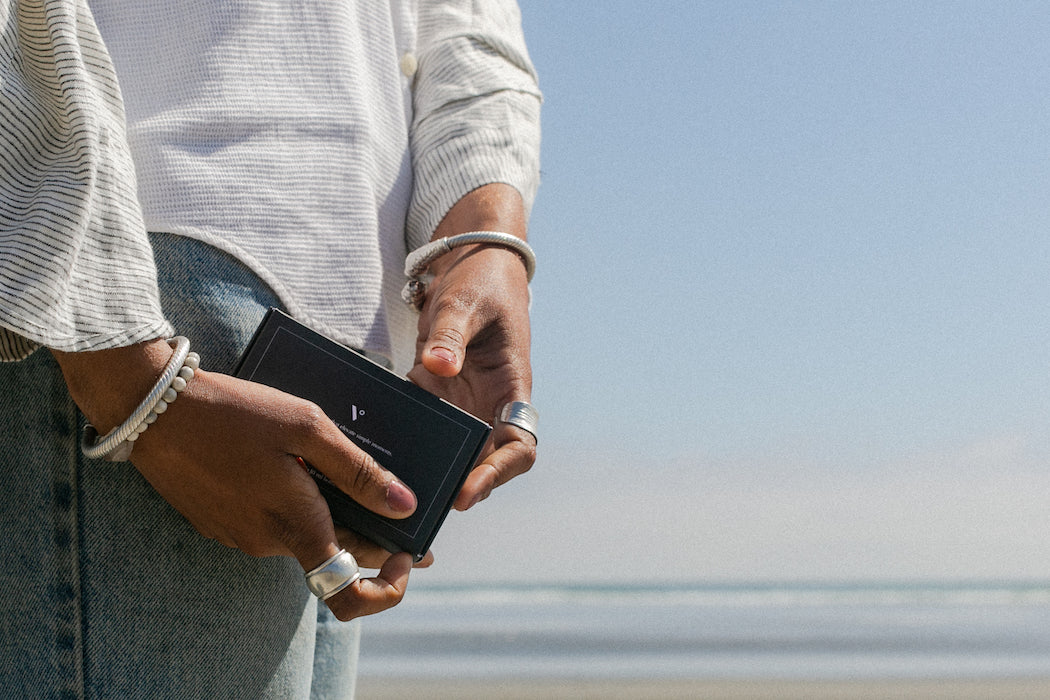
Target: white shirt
(317,145)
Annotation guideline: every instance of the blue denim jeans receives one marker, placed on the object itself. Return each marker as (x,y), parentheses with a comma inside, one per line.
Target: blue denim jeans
(105,590)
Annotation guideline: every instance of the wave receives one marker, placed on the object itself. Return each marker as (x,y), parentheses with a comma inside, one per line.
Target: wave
(742,594)
(704,630)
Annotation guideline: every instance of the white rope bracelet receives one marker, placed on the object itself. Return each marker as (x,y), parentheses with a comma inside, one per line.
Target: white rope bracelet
(419,260)
(117,444)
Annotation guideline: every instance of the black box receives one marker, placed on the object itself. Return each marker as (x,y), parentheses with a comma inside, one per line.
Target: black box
(427,442)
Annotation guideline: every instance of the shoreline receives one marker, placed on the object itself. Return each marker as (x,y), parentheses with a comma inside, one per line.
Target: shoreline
(385,688)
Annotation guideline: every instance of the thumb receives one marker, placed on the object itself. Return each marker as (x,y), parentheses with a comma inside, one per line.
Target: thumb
(352,470)
(446,344)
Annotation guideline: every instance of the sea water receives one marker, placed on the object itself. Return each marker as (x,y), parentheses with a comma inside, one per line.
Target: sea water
(812,631)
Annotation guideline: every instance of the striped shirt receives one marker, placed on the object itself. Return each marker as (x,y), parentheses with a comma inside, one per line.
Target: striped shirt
(317,147)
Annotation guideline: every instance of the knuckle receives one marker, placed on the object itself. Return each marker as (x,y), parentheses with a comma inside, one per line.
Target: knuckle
(309,417)
(523,448)
(294,525)
(345,606)
(366,475)
(528,454)
(279,526)
(448,336)
(343,614)
(392,598)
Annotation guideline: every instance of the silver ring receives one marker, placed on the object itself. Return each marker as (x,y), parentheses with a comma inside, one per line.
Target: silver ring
(521,414)
(333,575)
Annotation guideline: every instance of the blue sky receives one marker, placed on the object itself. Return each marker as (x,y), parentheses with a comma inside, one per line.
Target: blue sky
(792,314)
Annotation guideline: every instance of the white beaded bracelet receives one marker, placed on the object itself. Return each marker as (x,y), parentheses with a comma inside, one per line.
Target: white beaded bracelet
(117,444)
(419,260)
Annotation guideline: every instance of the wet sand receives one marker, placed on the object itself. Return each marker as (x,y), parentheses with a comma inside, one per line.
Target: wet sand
(503,689)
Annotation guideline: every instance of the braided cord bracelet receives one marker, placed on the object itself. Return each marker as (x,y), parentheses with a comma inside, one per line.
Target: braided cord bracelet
(116,445)
(419,260)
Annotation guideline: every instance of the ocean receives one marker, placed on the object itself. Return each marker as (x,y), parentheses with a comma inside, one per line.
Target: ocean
(707,631)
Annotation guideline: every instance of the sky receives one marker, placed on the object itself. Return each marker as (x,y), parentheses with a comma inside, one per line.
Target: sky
(791,318)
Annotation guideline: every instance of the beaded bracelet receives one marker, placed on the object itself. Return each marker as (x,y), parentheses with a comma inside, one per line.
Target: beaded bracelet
(419,260)
(117,444)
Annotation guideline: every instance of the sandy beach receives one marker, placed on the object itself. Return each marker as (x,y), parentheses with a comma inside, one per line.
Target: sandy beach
(502,689)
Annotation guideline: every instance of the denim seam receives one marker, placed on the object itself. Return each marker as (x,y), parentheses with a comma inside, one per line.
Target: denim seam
(69,632)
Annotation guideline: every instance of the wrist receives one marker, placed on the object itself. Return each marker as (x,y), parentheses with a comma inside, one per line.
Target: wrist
(107,385)
(433,260)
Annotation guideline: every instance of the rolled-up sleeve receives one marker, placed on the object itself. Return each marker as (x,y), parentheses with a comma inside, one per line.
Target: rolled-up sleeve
(476,109)
(76,269)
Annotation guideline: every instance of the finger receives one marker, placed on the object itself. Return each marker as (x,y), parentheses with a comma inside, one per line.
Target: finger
(364,596)
(354,472)
(371,595)
(445,340)
(311,539)
(511,459)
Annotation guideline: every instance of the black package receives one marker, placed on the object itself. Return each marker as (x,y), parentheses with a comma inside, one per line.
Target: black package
(427,442)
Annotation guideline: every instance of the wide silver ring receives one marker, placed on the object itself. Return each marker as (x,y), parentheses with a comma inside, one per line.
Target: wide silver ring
(521,414)
(333,575)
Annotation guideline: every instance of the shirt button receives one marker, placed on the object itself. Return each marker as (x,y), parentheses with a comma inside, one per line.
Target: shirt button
(408,64)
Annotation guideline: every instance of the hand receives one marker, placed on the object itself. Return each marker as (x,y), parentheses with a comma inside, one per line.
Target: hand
(473,342)
(224,455)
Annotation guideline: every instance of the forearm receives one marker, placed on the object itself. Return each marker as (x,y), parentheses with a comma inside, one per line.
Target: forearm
(492,207)
(476,106)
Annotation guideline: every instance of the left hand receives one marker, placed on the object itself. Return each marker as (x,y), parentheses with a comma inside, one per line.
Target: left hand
(474,338)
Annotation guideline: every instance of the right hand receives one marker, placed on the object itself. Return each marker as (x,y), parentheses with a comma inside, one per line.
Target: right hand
(224,455)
